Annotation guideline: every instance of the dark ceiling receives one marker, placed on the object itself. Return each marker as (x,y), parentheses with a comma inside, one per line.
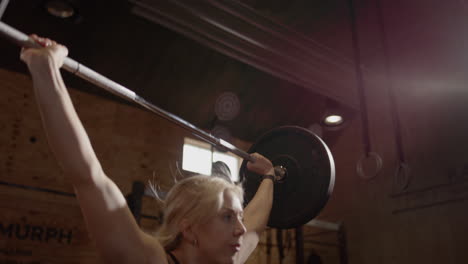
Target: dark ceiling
(186,76)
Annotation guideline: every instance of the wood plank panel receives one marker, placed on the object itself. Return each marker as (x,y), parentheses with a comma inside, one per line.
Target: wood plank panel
(37,227)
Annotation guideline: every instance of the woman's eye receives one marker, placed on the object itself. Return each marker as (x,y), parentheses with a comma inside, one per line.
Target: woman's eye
(228,217)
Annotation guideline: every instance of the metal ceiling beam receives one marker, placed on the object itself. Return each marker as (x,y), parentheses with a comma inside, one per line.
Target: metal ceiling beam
(240,32)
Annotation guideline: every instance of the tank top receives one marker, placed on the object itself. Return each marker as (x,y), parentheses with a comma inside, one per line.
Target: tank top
(174,259)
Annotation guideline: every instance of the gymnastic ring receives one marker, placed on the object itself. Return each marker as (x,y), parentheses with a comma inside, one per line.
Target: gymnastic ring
(378,163)
(402,169)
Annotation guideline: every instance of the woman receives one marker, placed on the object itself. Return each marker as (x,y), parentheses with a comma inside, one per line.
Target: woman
(204,221)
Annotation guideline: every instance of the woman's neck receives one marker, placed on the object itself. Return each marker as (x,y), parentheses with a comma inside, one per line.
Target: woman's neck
(188,254)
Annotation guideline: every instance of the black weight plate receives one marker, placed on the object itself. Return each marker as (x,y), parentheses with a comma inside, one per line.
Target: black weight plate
(310,175)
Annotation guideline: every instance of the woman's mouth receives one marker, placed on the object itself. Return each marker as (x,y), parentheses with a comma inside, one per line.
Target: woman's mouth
(236,247)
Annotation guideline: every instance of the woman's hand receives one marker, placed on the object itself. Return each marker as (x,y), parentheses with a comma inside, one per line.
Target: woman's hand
(50,51)
(261,165)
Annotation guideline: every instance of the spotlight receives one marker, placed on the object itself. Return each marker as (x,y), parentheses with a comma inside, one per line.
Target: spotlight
(334,117)
(333,120)
(59,8)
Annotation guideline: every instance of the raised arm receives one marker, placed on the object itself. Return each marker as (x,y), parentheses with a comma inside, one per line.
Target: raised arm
(110,222)
(257,212)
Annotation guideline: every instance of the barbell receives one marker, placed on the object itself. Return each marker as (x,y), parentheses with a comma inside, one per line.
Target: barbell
(302,161)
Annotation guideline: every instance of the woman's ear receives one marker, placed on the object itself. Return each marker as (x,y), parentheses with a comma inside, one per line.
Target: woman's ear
(187,230)
(188,233)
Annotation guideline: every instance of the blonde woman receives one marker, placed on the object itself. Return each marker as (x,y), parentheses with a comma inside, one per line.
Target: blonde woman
(204,220)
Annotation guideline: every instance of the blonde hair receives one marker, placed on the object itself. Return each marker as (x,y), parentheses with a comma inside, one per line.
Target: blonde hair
(197,199)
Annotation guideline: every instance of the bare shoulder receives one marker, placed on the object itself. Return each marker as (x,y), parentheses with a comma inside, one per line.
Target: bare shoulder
(154,252)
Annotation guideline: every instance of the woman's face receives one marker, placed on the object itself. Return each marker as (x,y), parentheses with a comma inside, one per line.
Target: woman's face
(221,237)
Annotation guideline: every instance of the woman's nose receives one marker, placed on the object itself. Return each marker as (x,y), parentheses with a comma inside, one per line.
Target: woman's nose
(240,228)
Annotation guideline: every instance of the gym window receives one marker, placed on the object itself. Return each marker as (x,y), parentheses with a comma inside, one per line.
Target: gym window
(198,156)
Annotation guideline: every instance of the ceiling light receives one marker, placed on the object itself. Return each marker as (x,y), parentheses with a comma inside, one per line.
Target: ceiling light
(59,8)
(333,120)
